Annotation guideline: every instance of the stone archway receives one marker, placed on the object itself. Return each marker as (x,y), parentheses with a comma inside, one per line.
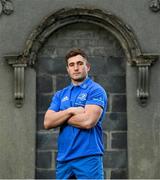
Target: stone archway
(122,32)
(46,148)
(57,20)
(63,17)
(108,67)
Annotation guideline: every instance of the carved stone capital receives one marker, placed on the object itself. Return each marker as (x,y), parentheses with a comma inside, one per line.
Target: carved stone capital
(143,64)
(19,68)
(155,5)
(146,59)
(6,7)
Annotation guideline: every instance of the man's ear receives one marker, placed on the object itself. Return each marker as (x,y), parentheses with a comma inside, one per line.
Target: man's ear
(88,66)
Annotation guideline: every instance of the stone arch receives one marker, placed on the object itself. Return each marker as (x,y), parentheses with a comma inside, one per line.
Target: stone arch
(64,17)
(108,67)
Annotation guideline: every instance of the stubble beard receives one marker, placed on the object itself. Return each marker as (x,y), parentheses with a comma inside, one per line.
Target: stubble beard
(78,79)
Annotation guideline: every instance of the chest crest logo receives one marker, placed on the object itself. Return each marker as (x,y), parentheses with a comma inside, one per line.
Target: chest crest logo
(82,96)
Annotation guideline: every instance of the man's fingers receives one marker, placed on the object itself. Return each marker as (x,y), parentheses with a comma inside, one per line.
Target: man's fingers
(76,110)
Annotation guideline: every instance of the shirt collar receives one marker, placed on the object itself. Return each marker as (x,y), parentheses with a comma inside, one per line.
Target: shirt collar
(83,85)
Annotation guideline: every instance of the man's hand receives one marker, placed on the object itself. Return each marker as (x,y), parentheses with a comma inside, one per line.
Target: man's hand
(76,110)
(54,119)
(85,118)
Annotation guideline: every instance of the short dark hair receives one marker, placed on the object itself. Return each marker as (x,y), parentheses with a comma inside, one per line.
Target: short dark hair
(75,52)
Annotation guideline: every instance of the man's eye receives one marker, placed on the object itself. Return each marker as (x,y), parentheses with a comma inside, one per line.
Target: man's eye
(71,64)
(80,63)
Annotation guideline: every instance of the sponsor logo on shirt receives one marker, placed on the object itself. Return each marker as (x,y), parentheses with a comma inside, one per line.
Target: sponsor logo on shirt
(100,99)
(65,99)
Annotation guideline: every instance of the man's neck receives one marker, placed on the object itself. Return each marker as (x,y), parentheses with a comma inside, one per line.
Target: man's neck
(77,83)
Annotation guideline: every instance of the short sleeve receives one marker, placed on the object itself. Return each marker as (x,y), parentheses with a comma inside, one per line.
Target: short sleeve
(55,104)
(98,97)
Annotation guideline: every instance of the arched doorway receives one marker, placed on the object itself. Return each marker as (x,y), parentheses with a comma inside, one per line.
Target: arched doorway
(53,23)
(108,63)
(128,47)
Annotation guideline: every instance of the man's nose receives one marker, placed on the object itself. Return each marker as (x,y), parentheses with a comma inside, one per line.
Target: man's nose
(75,67)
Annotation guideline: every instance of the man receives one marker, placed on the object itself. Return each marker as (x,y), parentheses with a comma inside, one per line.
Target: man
(78,109)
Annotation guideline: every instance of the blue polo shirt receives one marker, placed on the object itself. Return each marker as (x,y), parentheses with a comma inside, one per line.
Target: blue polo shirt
(75,142)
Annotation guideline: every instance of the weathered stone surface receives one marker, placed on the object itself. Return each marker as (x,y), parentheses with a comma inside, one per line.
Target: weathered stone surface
(45,174)
(118,103)
(51,65)
(115,159)
(40,121)
(46,86)
(119,140)
(62,81)
(43,159)
(115,122)
(112,84)
(47,141)
(18,128)
(43,102)
(119,174)
(143,123)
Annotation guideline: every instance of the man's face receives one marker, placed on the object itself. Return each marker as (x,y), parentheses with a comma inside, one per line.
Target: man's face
(78,68)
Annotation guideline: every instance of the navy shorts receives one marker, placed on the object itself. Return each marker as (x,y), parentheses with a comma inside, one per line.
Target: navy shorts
(90,167)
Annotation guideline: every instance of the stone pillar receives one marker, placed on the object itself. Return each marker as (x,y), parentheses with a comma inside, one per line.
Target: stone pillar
(143,128)
(18,126)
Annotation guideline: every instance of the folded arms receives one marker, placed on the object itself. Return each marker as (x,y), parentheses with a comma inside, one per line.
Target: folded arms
(84,118)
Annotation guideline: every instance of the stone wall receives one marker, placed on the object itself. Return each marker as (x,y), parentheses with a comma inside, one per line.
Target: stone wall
(18,125)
